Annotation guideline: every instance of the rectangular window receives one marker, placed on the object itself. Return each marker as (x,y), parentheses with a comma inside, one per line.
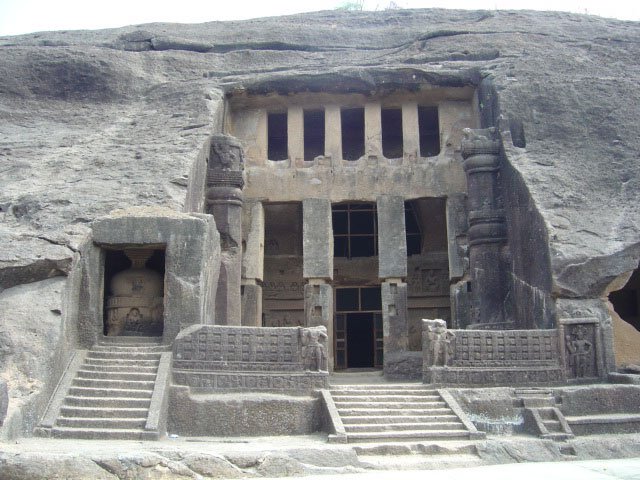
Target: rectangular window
(392,132)
(355,230)
(277,138)
(429,128)
(352,122)
(313,134)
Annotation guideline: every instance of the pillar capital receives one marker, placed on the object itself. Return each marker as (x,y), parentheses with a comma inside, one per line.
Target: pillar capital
(480,142)
(225,166)
(225,162)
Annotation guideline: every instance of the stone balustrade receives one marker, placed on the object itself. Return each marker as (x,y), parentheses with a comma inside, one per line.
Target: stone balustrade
(218,357)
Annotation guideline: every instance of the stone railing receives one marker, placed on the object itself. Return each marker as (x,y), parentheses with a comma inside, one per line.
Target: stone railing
(216,357)
(490,356)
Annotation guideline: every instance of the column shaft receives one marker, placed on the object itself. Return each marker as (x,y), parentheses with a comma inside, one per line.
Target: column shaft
(225,180)
(333,132)
(487,228)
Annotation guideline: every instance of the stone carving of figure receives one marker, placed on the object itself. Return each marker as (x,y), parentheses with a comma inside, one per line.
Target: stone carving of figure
(314,351)
(133,319)
(580,351)
(438,341)
(225,153)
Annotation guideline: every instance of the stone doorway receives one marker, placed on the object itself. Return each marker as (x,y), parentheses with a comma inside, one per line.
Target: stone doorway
(134,292)
(358,339)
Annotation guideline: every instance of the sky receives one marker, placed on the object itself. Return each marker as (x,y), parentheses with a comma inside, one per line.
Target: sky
(27,16)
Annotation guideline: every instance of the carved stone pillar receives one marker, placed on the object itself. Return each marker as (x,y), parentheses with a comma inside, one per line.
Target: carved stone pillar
(392,271)
(487,229)
(317,251)
(252,263)
(224,198)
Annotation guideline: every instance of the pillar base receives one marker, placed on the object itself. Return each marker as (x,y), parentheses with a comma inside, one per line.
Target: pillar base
(395,318)
(318,311)
(251,305)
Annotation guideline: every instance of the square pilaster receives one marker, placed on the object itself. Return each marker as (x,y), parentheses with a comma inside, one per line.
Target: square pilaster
(410,130)
(395,317)
(295,134)
(392,237)
(317,238)
(333,132)
(373,129)
(318,310)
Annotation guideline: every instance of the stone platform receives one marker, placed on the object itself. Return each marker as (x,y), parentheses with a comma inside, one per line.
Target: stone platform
(295,456)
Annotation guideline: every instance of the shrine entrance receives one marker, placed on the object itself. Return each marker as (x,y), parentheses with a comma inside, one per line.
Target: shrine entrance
(358,341)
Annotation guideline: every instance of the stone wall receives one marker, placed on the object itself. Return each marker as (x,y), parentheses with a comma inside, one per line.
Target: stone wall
(217,358)
(220,415)
(491,357)
(530,283)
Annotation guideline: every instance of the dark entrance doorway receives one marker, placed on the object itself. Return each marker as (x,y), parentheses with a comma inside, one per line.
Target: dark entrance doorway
(358,328)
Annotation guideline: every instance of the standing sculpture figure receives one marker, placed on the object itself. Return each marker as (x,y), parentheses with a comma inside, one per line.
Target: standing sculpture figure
(314,352)
(580,350)
(439,339)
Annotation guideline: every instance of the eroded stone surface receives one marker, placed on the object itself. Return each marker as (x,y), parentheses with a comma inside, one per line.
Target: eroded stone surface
(116,117)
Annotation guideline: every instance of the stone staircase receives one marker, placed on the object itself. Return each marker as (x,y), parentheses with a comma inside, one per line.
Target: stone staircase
(541,413)
(397,412)
(113,391)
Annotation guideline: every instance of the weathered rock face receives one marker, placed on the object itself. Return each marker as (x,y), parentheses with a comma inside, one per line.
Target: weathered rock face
(94,120)
(91,121)
(33,338)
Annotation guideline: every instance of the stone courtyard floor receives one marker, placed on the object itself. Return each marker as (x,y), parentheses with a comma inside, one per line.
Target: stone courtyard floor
(594,457)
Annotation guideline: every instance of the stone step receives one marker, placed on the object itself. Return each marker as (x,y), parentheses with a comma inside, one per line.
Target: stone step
(69,411)
(402,427)
(115,384)
(377,405)
(383,412)
(119,367)
(134,355)
(90,422)
(108,392)
(382,386)
(377,392)
(386,419)
(385,398)
(107,402)
(117,375)
(102,433)
(129,348)
(120,362)
(407,435)
(553,427)
(130,339)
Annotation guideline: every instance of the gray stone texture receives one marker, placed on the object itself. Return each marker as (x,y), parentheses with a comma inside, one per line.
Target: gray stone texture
(34,335)
(225,166)
(493,357)
(395,321)
(4,401)
(119,117)
(251,305)
(392,240)
(237,415)
(192,259)
(163,120)
(487,229)
(253,238)
(457,226)
(227,358)
(317,239)
(318,308)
